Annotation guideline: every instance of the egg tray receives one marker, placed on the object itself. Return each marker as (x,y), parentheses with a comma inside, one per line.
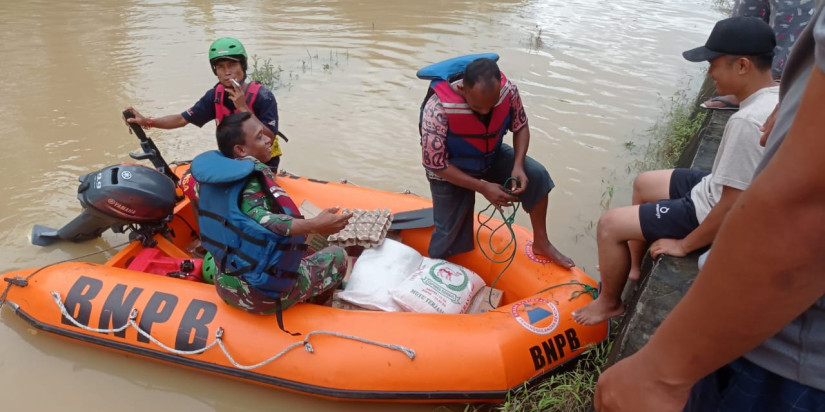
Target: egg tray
(366,228)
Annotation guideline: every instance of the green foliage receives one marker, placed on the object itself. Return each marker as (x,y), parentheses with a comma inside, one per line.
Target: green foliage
(264,72)
(671,133)
(570,391)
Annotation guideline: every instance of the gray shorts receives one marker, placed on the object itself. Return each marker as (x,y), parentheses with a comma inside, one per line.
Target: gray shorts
(453,205)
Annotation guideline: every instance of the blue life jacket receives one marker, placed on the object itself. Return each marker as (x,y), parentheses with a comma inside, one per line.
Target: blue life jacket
(241,246)
(472,145)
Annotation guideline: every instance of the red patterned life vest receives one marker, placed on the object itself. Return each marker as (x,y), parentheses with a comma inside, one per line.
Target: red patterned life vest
(471,143)
(221,111)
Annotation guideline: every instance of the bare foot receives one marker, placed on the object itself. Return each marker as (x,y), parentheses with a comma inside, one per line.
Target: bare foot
(634,274)
(547,249)
(597,312)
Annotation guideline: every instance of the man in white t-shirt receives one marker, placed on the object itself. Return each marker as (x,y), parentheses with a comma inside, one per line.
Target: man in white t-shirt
(749,335)
(678,211)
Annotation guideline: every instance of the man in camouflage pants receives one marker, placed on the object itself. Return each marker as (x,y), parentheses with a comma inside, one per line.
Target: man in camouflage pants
(318,274)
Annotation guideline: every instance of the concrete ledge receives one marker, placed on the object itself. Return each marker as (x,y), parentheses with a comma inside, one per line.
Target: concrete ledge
(657,294)
(706,142)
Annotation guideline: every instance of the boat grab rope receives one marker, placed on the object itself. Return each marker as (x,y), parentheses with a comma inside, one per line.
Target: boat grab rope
(24,281)
(219,338)
(507,221)
(586,290)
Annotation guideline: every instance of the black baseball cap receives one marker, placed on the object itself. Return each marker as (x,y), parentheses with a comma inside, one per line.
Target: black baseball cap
(741,36)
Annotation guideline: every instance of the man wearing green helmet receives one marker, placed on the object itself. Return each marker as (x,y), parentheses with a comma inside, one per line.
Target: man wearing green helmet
(232,94)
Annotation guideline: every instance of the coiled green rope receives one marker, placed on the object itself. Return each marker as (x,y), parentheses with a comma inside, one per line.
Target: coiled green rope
(507,221)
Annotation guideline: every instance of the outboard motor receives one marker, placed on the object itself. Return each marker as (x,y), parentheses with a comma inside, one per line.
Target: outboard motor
(115,197)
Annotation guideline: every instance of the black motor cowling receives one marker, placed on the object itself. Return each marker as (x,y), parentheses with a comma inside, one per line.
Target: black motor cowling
(113,197)
(131,193)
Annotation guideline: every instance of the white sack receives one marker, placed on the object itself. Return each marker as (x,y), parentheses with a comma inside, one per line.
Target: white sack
(376,272)
(438,286)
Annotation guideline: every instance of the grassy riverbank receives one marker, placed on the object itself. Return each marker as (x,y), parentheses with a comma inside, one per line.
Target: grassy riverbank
(571,391)
(671,134)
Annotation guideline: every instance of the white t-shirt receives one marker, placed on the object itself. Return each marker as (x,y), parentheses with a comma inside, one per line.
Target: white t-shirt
(739,151)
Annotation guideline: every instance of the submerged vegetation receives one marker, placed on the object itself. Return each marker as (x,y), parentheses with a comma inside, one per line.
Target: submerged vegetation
(326,63)
(273,77)
(264,72)
(535,41)
(724,6)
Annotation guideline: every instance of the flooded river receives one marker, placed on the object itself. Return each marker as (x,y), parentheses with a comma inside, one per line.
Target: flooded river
(593,76)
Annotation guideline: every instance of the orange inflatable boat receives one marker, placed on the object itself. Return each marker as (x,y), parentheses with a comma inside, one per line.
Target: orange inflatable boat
(340,354)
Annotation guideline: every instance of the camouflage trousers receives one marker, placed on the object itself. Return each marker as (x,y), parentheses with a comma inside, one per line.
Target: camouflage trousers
(320,272)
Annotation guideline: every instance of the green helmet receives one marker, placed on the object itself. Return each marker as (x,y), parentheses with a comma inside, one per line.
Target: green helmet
(210,269)
(227,48)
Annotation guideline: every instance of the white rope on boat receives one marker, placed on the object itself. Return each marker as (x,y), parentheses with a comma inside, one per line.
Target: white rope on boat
(219,338)
(130,322)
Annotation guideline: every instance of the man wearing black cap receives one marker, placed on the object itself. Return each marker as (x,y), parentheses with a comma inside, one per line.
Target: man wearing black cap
(678,211)
(749,335)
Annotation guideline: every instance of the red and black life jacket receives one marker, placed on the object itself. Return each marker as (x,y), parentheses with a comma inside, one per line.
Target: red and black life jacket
(222,111)
(471,143)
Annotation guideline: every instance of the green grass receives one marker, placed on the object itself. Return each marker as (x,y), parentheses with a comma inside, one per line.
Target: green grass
(671,133)
(565,392)
(264,72)
(570,391)
(276,77)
